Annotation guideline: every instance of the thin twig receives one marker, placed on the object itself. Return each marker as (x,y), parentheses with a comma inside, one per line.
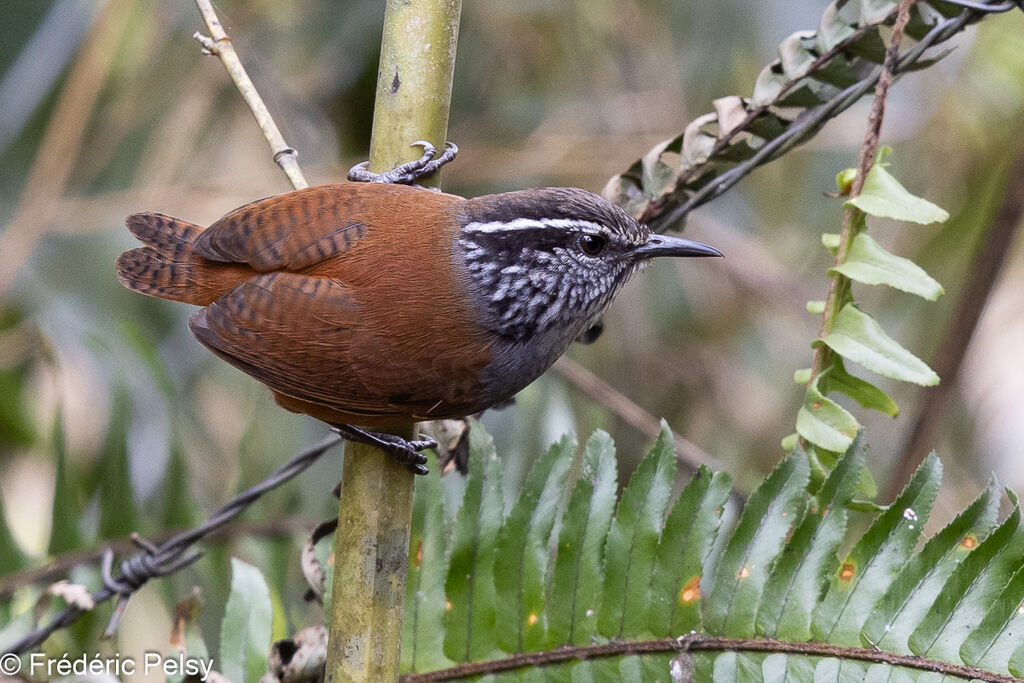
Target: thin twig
(170,556)
(220,45)
(692,455)
(698,642)
(985,269)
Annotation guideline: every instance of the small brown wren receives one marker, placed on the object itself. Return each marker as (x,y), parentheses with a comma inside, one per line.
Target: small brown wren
(377,304)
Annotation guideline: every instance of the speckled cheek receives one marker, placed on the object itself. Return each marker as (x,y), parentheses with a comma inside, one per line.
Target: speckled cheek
(467,281)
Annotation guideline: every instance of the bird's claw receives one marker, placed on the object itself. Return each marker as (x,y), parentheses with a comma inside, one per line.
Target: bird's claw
(407,173)
(404,452)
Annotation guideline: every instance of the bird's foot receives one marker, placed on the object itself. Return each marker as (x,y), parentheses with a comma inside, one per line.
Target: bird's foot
(404,452)
(408,173)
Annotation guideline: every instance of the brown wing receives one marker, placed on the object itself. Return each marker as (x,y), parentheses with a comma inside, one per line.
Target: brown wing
(302,337)
(298,229)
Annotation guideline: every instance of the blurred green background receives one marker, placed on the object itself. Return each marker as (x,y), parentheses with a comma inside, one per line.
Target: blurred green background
(107,108)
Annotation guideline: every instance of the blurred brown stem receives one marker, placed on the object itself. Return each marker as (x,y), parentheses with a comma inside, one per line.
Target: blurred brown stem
(987,264)
(629,412)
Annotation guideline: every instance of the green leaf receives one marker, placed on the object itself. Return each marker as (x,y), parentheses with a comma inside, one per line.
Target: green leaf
(794,587)
(688,537)
(469,586)
(744,567)
(117,508)
(883,673)
(11,557)
(521,554)
(863,392)
(726,668)
(1001,632)
(970,591)
(749,666)
(830,240)
(17,428)
(824,422)
(138,340)
(179,511)
(423,626)
(64,535)
(815,306)
(916,587)
(844,180)
(858,337)
(246,628)
(883,196)
(775,668)
(868,262)
(576,582)
(1016,665)
(835,670)
(800,668)
(865,574)
(633,539)
(790,442)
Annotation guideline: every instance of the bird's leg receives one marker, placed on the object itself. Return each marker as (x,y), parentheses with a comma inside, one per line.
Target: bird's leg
(403,452)
(408,173)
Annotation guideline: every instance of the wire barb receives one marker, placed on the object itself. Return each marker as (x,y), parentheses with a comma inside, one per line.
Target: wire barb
(173,555)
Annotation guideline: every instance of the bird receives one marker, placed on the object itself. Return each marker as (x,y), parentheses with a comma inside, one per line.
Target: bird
(369,305)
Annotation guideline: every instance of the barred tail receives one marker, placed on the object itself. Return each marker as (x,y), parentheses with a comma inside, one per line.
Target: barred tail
(167,268)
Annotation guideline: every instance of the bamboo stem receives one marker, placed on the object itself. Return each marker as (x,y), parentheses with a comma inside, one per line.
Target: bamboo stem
(371,554)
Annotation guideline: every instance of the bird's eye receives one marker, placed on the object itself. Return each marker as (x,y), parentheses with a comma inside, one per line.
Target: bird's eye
(592,245)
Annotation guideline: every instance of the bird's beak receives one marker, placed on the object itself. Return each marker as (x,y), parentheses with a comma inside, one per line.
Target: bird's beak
(666,245)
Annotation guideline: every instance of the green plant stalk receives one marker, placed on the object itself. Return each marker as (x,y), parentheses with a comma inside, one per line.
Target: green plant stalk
(839,285)
(853,218)
(371,555)
(414,80)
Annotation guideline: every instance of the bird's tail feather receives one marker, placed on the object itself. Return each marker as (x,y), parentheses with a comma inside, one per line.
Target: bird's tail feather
(167,267)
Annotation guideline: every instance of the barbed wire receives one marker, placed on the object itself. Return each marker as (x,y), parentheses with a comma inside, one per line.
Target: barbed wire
(812,120)
(154,561)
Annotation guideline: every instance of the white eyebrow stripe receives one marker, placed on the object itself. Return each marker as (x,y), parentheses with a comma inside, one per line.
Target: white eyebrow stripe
(534,224)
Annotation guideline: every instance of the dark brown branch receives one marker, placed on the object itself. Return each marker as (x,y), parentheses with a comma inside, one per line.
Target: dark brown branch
(987,264)
(689,453)
(696,642)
